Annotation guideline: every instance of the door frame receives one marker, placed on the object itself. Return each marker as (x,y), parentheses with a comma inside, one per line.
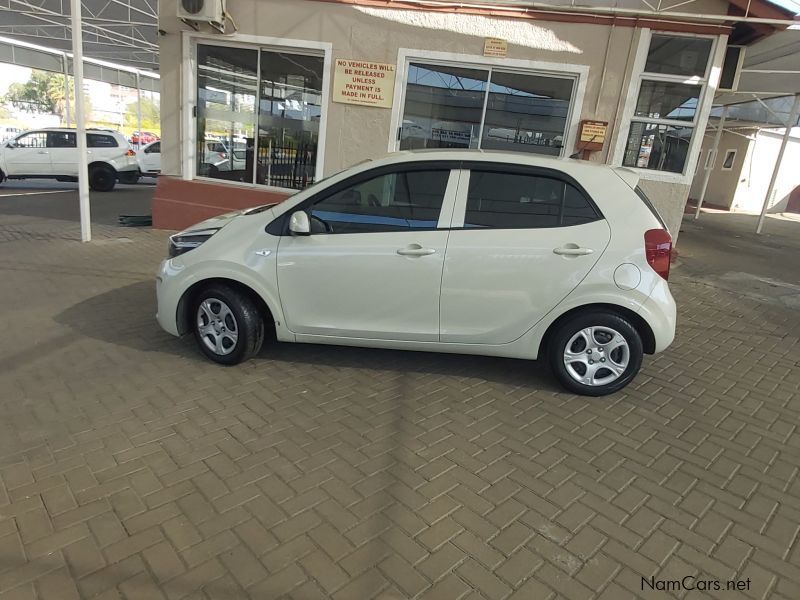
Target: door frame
(533,67)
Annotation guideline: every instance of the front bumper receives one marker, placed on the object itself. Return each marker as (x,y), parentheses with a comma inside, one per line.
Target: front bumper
(167,296)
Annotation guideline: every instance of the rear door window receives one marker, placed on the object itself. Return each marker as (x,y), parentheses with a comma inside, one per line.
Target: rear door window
(498,200)
(61,139)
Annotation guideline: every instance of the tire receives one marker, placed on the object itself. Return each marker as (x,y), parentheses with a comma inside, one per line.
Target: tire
(218,311)
(102,178)
(617,343)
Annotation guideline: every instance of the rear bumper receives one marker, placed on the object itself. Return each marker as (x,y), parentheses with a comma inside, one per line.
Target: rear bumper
(660,312)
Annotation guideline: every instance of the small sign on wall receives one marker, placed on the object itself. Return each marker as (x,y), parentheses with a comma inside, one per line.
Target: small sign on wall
(593,132)
(363,82)
(495,47)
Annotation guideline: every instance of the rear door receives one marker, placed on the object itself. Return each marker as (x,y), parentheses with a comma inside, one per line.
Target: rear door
(521,241)
(63,152)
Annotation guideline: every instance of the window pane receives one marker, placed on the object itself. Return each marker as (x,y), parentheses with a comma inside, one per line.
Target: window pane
(61,139)
(664,100)
(290,106)
(392,202)
(577,209)
(226,111)
(678,55)
(508,201)
(94,140)
(659,147)
(443,107)
(729,157)
(527,113)
(33,140)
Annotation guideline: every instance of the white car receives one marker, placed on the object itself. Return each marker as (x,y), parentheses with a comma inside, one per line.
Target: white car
(149,157)
(53,154)
(492,253)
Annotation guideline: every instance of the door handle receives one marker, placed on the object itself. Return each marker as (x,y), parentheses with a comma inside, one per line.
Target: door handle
(42,152)
(572,250)
(415,250)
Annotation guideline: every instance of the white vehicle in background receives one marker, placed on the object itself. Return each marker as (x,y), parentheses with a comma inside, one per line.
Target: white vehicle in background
(53,154)
(149,157)
(216,154)
(493,253)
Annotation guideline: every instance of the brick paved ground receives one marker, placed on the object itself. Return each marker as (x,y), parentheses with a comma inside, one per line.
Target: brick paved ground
(131,468)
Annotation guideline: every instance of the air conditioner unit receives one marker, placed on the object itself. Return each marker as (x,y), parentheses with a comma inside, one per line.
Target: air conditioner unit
(731,69)
(202,11)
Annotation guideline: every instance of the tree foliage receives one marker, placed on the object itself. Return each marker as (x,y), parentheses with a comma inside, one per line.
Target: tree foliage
(151,116)
(42,93)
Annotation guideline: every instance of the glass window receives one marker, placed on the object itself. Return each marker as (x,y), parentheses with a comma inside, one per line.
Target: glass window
(527,113)
(153,149)
(730,156)
(678,55)
(227,86)
(667,100)
(289,112)
(658,147)
(98,140)
(443,106)
(61,139)
(512,201)
(391,202)
(36,139)
(654,141)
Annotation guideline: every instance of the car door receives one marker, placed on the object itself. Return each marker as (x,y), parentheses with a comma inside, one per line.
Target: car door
(63,152)
(522,240)
(372,266)
(29,155)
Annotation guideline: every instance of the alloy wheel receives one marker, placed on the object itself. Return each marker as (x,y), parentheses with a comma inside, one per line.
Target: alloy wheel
(596,356)
(217,326)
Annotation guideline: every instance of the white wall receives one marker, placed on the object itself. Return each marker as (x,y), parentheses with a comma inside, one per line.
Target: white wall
(757,170)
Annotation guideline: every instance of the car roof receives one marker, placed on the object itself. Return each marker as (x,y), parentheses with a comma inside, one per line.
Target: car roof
(576,167)
(72,130)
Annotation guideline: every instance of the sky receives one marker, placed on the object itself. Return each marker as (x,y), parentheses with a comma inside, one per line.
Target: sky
(793,5)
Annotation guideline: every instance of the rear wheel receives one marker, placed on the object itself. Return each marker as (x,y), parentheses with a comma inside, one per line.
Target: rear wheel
(102,178)
(596,353)
(227,324)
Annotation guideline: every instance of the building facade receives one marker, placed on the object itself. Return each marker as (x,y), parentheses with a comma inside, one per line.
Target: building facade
(742,169)
(305,88)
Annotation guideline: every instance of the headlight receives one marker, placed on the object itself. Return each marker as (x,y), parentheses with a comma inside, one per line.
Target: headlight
(182,242)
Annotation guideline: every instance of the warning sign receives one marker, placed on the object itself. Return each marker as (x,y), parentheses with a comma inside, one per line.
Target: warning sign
(363,82)
(495,47)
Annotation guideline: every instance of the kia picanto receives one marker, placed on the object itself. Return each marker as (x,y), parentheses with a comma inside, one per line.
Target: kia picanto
(467,252)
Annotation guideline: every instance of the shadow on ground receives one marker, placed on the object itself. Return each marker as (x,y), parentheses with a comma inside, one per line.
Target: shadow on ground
(97,318)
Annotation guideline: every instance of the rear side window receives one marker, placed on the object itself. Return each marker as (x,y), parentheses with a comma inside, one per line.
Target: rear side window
(98,140)
(154,149)
(643,197)
(516,201)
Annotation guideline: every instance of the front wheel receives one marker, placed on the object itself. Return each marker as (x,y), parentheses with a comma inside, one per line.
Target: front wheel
(227,324)
(596,353)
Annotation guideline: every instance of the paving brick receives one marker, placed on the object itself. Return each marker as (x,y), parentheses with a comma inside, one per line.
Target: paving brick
(383,474)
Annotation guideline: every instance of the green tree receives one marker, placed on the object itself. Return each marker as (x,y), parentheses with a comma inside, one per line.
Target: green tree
(151,116)
(42,93)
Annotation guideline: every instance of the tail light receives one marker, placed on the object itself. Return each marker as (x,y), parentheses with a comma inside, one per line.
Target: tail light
(658,249)
(130,152)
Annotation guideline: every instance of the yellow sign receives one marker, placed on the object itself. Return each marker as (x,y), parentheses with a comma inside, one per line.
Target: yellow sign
(363,82)
(594,131)
(495,47)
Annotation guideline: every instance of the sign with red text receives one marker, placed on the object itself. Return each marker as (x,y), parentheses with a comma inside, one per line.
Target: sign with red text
(363,82)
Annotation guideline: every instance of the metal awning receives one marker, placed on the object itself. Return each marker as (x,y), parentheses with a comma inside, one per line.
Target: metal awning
(48,59)
(121,31)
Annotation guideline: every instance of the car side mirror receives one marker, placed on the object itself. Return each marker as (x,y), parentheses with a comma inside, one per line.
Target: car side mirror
(299,224)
